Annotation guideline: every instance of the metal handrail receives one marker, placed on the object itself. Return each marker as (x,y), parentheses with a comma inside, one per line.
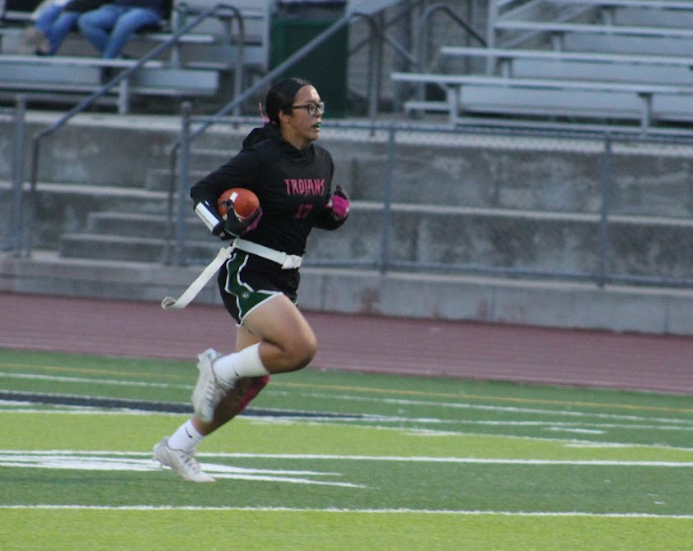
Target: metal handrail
(90,100)
(425,26)
(429,12)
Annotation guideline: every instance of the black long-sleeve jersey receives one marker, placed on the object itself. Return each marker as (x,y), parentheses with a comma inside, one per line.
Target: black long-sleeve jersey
(293,186)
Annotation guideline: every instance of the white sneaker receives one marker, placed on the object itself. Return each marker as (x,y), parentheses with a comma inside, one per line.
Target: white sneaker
(180,461)
(209,390)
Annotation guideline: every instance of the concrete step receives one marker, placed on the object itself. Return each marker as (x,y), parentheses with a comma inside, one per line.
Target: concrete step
(431,238)
(130,249)
(159,179)
(467,170)
(421,236)
(130,224)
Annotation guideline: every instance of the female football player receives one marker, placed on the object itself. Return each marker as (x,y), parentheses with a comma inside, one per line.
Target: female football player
(292,177)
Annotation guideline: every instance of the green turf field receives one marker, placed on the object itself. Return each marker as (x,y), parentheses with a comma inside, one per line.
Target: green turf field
(333,461)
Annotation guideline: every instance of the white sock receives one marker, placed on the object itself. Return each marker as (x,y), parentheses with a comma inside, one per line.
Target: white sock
(246,363)
(185,438)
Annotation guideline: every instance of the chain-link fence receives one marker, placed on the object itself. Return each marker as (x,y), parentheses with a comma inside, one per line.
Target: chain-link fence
(593,207)
(432,199)
(12,148)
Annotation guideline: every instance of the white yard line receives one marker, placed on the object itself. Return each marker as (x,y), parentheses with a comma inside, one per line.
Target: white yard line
(85,380)
(509,409)
(13,454)
(459,512)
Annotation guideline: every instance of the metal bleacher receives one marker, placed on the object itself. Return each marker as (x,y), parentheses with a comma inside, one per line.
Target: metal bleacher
(214,59)
(555,63)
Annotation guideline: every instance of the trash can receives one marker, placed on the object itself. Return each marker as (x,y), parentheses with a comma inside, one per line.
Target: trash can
(297,22)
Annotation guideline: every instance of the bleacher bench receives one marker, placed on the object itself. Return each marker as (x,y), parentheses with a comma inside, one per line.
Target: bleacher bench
(509,62)
(70,78)
(637,4)
(553,27)
(507,54)
(468,94)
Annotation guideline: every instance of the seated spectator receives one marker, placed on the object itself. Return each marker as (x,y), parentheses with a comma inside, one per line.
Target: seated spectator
(53,21)
(110,27)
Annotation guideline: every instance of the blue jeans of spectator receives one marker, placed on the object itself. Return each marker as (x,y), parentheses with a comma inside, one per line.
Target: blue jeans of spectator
(110,27)
(56,24)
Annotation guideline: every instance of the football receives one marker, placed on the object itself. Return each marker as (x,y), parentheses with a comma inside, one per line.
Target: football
(243,200)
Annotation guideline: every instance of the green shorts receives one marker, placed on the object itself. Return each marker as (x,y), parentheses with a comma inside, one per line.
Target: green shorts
(246,281)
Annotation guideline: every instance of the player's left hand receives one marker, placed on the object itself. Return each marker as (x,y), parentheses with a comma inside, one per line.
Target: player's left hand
(339,203)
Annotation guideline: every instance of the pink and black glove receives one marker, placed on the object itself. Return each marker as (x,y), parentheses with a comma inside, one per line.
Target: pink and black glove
(339,204)
(235,226)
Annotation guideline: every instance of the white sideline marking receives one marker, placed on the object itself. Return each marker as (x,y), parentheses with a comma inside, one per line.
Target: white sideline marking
(460,512)
(547,426)
(126,462)
(82,380)
(560,428)
(13,456)
(476,460)
(82,410)
(508,409)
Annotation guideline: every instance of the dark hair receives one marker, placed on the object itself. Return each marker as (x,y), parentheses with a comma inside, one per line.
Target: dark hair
(281,97)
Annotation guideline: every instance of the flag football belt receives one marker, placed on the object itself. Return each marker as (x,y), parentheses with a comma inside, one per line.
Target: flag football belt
(286,261)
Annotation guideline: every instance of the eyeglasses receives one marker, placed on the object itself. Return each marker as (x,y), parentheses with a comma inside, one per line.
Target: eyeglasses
(312,108)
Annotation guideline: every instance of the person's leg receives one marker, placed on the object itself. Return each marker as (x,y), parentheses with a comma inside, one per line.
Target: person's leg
(47,17)
(236,399)
(63,25)
(273,337)
(285,342)
(178,450)
(35,37)
(96,25)
(127,25)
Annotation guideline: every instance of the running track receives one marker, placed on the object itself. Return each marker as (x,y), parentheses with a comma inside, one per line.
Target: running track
(359,343)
